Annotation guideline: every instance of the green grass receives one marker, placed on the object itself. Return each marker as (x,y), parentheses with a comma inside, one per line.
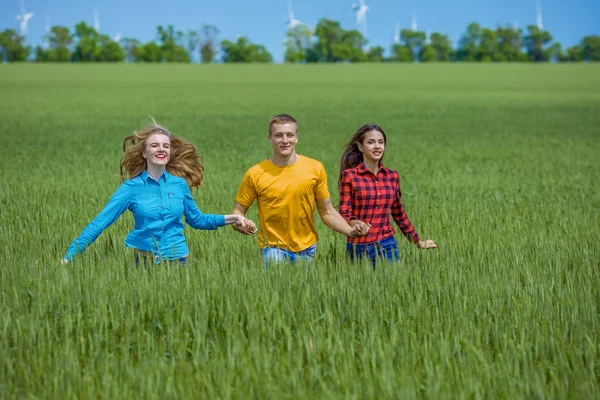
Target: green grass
(497,166)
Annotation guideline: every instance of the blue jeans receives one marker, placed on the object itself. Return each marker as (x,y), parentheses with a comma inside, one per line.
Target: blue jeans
(276,255)
(384,249)
(147,259)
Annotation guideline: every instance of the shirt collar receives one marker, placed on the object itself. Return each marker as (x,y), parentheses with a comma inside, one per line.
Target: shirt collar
(361,169)
(146,176)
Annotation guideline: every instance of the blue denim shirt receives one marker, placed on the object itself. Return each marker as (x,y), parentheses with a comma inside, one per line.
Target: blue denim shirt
(157,207)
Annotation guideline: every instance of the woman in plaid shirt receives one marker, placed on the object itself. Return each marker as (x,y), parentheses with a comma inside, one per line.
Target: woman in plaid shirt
(369,192)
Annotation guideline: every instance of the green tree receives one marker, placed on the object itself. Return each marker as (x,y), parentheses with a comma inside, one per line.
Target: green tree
(88,47)
(350,48)
(243,51)
(59,40)
(509,45)
(535,42)
(401,53)
(328,34)
(110,51)
(133,49)
(12,46)
(442,47)
(591,48)
(488,46)
(171,49)
(208,43)
(193,42)
(575,53)
(470,43)
(297,43)
(92,46)
(334,44)
(375,54)
(427,54)
(151,52)
(555,53)
(413,40)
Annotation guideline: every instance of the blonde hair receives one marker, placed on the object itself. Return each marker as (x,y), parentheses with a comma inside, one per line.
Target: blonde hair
(282,119)
(184,162)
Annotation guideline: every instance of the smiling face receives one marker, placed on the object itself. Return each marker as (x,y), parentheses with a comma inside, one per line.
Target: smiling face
(372,146)
(158,150)
(283,138)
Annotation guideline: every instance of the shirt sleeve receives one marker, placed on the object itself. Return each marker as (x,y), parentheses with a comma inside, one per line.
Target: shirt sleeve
(195,218)
(117,204)
(247,192)
(401,218)
(322,190)
(346,197)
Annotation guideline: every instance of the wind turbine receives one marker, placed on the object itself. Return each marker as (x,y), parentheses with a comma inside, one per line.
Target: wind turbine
(361,15)
(24,17)
(397,34)
(96,20)
(46,40)
(291,22)
(414,20)
(540,25)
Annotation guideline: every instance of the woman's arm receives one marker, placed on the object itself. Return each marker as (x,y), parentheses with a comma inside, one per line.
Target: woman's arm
(399,215)
(198,220)
(118,203)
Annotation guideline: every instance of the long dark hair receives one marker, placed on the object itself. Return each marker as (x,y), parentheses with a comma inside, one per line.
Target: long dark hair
(352,155)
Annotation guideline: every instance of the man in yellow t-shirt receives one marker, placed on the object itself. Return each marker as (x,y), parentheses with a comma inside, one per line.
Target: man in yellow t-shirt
(286,187)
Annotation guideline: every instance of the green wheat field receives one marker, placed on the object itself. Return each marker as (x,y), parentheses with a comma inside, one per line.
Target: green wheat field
(498,164)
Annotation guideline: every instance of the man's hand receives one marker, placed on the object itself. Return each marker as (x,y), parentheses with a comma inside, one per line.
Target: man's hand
(359,228)
(245,226)
(428,244)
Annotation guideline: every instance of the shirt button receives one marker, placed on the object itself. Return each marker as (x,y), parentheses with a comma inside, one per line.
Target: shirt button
(378,194)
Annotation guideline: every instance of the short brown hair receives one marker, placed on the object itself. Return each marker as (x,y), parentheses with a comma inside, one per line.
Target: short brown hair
(282,119)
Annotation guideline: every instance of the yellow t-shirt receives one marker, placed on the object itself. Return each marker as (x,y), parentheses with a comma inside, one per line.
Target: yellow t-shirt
(286,201)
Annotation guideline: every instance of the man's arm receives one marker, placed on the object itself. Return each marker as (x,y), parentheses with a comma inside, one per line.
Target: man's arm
(248,227)
(335,221)
(240,209)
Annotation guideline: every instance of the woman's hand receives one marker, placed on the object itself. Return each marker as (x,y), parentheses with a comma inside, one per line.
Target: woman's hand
(243,225)
(359,228)
(428,244)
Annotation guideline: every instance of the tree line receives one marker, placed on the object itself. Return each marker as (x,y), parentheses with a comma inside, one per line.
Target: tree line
(327,43)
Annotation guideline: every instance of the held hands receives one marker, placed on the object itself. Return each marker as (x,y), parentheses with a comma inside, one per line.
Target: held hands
(245,226)
(359,228)
(428,244)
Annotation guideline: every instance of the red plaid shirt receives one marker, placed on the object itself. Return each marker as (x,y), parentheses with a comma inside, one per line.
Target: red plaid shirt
(370,198)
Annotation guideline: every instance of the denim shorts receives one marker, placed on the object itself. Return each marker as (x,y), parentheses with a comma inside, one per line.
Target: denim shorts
(386,249)
(276,255)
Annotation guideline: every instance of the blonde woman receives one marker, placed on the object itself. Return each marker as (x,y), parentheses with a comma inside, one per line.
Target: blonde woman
(162,169)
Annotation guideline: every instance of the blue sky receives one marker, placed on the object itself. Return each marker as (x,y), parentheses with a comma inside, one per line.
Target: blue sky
(263,21)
